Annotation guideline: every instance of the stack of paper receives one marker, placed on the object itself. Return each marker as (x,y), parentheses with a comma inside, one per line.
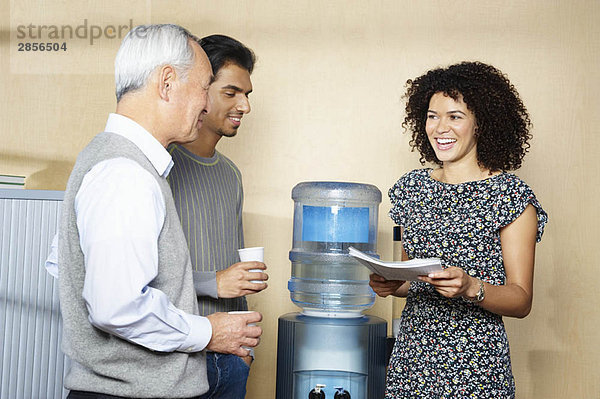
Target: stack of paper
(404,270)
(10,181)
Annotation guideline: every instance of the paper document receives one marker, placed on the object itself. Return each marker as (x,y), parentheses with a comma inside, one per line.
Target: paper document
(402,270)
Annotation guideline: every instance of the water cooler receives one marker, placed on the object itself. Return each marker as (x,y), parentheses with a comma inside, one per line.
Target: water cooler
(331,349)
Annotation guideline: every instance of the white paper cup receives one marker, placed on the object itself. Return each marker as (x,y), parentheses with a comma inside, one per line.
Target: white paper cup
(250,324)
(253,254)
(243,312)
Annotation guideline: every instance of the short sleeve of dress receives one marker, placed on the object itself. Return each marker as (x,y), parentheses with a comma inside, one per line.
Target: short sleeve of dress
(513,197)
(400,196)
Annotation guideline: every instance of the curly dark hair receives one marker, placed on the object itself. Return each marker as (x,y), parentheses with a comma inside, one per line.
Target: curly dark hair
(503,123)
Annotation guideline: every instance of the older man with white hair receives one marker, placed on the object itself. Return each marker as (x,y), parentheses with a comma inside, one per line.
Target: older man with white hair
(130,315)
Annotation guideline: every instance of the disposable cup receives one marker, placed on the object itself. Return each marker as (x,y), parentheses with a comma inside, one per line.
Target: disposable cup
(243,312)
(250,324)
(252,254)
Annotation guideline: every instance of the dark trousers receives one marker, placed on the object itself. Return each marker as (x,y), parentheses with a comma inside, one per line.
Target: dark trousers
(94,395)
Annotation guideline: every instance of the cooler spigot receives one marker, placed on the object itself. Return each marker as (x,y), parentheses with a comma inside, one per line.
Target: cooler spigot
(317,392)
(341,393)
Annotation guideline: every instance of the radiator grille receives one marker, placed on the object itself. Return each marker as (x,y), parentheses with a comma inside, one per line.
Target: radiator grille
(31,362)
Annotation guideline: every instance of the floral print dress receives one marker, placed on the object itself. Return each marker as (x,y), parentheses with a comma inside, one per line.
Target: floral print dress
(449,348)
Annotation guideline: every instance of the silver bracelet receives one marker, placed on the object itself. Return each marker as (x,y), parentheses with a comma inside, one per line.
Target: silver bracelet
(480,294)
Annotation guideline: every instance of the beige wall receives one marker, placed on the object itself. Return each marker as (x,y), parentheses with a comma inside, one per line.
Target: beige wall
(327,106)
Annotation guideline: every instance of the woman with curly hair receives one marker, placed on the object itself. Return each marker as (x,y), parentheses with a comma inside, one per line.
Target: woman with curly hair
(480,220)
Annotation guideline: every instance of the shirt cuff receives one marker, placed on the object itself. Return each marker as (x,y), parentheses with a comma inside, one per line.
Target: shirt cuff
(205,284)
(52,260)
(199,335)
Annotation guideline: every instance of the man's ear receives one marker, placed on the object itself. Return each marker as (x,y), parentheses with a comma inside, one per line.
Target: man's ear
(166,80)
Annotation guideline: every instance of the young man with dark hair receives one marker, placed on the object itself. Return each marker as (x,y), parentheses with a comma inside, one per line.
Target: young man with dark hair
(208,193)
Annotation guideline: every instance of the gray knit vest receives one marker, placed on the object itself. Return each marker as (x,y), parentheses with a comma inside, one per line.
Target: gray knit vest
(102,362)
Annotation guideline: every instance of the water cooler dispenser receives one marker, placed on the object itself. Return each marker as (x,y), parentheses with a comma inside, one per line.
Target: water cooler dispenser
(331,349)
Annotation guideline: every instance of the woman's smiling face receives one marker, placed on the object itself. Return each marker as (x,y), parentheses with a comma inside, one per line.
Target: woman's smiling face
(451,129)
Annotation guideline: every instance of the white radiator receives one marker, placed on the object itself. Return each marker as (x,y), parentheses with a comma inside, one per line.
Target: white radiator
(32,365)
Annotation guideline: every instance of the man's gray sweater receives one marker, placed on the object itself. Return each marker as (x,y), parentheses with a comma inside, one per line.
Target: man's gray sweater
(105,363)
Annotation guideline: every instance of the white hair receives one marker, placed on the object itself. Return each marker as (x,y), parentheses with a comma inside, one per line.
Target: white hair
(147,47)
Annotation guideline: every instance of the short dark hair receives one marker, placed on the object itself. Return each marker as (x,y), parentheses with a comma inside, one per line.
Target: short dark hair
(503,123)
(222,50)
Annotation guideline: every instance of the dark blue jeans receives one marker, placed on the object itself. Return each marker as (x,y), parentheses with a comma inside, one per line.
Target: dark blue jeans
(227,376)
(95,395)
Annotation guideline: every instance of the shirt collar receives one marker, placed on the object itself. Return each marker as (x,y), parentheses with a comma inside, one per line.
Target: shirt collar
(152,149)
